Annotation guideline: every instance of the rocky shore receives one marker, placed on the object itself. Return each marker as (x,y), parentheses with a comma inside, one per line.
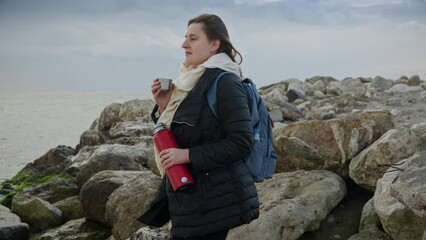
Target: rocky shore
(351,165)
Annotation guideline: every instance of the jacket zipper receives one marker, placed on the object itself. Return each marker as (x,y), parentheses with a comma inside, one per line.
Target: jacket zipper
(187,123)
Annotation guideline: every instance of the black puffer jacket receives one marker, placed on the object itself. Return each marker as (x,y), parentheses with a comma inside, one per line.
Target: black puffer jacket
(224,195)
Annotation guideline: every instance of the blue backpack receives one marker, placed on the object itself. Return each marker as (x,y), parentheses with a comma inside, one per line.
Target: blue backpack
(262,159)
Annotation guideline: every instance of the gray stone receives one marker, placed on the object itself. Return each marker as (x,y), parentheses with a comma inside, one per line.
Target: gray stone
(39,214)
(370,165)
(146,233)
(129,202)
(96,191)
(289,205)
(113,157)
(11,226)
(398,221)
(410,187)
(370,234)
(79,229)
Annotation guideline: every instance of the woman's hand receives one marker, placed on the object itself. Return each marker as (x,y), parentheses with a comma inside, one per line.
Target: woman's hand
(161,98)
(173,156)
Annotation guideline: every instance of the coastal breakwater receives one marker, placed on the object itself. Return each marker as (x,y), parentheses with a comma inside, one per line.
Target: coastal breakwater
(351,159)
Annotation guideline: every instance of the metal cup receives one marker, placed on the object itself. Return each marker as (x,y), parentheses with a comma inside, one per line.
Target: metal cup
(166,84)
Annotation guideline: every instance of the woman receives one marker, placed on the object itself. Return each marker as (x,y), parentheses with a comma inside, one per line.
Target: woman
(224,195)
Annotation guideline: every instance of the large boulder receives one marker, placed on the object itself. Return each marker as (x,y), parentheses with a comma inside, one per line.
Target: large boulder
(370,234)
(96,191)
(289,205)
(129,202)
(113,157)
(38,213)
(71,208)
(53,191)
(369,217)
(11,226)
(379,83)
(370,165)
(53,161)
(109,117)
(147,233)
(398,220)
(410,187)
(329,144)
(79,229)
(133,110)
(80,159)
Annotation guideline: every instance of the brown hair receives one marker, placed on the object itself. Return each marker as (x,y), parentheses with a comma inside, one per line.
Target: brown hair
(215,29)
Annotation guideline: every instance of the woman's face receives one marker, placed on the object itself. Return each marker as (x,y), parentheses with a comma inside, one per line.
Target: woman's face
(197,47)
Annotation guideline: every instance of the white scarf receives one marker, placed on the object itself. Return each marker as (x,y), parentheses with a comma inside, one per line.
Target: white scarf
(188,77)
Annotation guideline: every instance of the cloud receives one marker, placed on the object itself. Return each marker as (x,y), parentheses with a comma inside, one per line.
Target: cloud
(257,2)
(109,36)
(375,3)
(102,41)
(110,39)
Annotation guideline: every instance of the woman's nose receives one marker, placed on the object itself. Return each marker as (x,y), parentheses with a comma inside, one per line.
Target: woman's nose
(184,44)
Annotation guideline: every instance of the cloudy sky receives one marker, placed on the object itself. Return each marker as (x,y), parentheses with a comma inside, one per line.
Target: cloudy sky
(121,45)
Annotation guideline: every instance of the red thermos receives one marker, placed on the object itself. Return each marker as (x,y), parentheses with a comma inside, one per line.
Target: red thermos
(179,175)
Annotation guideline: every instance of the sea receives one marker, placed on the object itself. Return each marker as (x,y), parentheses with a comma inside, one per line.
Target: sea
(33,122)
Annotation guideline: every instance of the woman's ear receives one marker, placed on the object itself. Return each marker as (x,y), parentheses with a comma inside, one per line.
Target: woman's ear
(215,46)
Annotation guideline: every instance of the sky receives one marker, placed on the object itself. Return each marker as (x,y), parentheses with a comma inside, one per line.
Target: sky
(122,45)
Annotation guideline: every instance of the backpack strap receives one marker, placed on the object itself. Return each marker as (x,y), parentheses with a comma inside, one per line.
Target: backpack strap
(253,100)
(212,94)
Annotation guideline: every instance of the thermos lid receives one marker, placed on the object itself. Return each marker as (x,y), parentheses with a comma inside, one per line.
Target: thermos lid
(159,127)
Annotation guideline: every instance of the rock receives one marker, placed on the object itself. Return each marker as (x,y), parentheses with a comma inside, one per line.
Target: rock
(337,88)
(79,229)
(38,213)
(109,117)
(129,202)
(370,234)
(71,208)
(381,84)
(410,187)
(398,221)
(414,80)
(329,144)
(403,88)
(146,233)
(289,205)
(113,157)
(294,94)
(276,115)
(91,138)
(344,220)
(319,86)
(369,217)
(325,79)
(288,110)
(276,96)
(52,191)
(11,226)
(80,159)
(54,161)
(95,192)
(354,87)
(338,104)
(134,129)
(420,130)
(136,109)
(370,165)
